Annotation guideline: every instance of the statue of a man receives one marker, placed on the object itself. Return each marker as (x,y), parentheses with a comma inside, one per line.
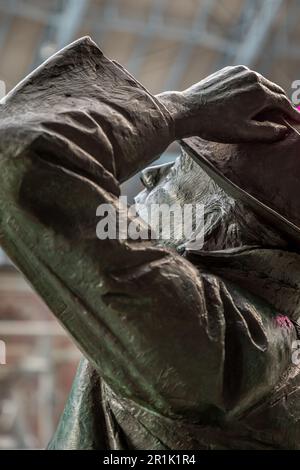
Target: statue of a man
(184,348)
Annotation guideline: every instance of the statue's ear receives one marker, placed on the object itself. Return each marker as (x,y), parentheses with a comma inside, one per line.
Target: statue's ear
(152,175)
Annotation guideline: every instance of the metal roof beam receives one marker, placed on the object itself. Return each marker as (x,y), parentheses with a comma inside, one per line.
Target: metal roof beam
(199,27)
(70,21)
(253,42)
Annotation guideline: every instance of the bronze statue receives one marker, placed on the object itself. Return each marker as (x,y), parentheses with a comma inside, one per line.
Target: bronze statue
(184,348)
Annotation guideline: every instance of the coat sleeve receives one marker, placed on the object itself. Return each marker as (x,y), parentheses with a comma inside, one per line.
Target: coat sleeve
(146,319)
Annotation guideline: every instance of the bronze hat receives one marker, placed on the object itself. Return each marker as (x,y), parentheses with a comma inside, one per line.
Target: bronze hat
(264,176)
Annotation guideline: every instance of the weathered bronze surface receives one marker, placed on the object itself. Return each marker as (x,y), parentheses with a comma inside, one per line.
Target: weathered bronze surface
(181,352)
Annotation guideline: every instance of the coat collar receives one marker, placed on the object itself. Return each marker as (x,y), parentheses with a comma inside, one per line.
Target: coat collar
(272,274)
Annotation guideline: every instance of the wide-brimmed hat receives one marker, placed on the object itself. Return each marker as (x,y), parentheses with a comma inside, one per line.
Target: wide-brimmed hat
(264,176)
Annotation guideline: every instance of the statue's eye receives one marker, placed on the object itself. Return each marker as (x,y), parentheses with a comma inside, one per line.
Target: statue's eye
(152,175)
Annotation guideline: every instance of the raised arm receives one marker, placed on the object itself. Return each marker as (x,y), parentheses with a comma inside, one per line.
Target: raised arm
(229,106)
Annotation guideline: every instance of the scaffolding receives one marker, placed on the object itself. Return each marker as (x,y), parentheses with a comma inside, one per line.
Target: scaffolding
(242,42)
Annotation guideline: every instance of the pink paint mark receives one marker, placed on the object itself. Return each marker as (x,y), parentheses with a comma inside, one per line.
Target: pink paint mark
(283,321)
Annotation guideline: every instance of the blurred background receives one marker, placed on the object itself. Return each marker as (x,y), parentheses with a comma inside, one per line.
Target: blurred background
(166,44)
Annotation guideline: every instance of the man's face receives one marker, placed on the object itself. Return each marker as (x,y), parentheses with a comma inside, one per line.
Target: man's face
(184,182)
(180,184)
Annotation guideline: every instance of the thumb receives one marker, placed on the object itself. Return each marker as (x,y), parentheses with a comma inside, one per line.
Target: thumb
(265,131)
